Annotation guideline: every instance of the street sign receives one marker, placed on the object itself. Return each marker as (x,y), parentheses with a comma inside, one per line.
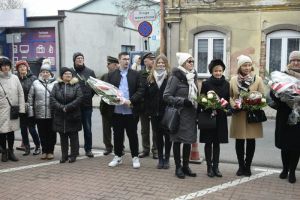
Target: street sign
(144,15)
(145,29)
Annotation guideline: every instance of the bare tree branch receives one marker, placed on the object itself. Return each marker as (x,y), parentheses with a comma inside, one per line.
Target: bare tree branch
(131,5)
(10,4)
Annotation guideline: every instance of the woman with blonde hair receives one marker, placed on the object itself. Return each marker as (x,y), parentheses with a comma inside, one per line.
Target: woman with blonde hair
(155,107)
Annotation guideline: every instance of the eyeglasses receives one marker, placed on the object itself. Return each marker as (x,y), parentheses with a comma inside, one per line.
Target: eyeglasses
(190,61)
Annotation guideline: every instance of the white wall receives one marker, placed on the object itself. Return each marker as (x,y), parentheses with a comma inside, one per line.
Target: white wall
(96,36)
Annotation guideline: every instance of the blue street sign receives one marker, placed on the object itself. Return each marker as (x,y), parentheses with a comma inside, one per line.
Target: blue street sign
(145,29)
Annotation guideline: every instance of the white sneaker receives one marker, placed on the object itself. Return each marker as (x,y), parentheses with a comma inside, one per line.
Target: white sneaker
(116,161)
(136,163)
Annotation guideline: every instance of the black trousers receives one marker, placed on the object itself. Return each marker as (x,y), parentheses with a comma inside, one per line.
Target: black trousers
(120,124)
(290,160)
(74,144)
(212,153)
(162,138)
(26,125)
(9,138)
(107,126)
(47,135)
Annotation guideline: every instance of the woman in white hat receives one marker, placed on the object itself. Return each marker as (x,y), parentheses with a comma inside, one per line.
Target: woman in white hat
(181,91)
(240,129)
(287,137)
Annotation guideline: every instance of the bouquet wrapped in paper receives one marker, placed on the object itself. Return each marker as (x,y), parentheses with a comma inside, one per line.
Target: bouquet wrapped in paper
(108,92)
(287,89)
(251,101)
(212,101)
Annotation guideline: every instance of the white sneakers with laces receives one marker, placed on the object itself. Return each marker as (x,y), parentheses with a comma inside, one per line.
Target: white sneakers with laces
(115,161)
(136,163)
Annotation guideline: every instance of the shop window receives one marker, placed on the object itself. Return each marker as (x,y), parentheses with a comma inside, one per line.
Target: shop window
(279,45)
(209,45)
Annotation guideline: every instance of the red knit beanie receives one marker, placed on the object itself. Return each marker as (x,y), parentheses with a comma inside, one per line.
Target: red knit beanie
(22,62)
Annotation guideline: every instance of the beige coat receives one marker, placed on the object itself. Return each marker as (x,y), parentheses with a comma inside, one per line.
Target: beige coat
(14,91)
(239,127)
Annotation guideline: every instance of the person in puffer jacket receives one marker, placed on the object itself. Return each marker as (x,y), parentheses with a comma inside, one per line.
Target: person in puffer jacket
(39,108)
(66,97)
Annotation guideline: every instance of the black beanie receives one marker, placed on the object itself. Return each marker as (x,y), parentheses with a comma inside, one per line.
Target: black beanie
(4,61)
(65,69)
(214,63)
(75,55)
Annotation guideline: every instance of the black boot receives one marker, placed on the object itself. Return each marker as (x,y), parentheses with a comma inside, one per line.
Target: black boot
(239,148)
(166,163)
(250,149)
(210,172)
(4,156)
(179,173)
(176,151)
(27,150)
(11,156)
(216,170)
(72,159)
(160,164)
(216,155)
(285,163)
(207,151)
(292,177)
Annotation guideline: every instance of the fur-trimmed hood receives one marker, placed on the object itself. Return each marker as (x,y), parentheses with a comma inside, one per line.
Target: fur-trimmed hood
(73,81)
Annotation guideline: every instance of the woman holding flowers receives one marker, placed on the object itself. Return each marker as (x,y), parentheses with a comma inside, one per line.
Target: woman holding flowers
(181,91)
(155,107)
(213,137)
(244,82)
(287,137)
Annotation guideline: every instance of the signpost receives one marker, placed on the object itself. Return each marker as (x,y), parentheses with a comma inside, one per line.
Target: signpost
(145,29)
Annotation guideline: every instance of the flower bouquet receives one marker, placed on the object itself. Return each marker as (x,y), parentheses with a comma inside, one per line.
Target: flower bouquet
(108,92)
(253,102)
(287,89)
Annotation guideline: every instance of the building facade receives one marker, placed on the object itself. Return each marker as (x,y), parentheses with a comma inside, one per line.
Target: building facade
(267,31)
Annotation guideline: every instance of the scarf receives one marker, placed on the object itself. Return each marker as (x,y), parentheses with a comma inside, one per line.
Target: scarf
(245,81)
(159,76)
(217,81)
(294,73)
(190,76)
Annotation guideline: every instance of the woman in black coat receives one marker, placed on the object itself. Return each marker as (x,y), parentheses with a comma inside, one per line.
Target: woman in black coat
(213,137)
(155,107)
(287,137)
(66,98)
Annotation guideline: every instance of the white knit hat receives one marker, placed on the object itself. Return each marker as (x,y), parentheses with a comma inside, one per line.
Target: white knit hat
(182,57)
(242,59)
(46,65)
(294,55)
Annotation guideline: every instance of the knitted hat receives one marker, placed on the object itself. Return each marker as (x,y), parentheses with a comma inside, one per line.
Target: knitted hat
(111,59)
(22,62)
(242,59)
(46,65)
(182,57)
(214,63)
(75,55)
(294,55)
(4,61)
(65,69)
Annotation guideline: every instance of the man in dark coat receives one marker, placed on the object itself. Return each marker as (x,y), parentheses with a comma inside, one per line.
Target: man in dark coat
(148,61)
(125,116)
(106,110)
(83,73)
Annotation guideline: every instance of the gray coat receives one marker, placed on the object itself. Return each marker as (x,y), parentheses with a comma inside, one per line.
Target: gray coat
(176,91)
(14,92)
(39,98)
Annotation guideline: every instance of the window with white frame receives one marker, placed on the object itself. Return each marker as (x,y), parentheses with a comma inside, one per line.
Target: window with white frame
(279,46)
(209,45)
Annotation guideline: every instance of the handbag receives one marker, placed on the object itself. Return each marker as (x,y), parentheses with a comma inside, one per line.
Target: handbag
(256,116)
(14,110)
(171,119)
(206,120)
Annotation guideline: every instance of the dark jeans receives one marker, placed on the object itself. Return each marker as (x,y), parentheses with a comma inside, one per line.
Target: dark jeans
(86,117)
(25,127)
(120,124)
(47,135)
(162,138)
(10,138)
(74,143)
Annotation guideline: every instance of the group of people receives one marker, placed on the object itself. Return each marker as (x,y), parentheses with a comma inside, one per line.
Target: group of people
(64,105)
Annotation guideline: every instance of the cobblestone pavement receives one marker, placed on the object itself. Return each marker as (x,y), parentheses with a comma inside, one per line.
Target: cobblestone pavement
(91,178)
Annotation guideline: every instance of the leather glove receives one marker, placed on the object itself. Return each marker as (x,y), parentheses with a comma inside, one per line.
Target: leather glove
(187,103)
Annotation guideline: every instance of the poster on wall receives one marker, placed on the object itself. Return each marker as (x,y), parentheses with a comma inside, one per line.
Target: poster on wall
(36,43)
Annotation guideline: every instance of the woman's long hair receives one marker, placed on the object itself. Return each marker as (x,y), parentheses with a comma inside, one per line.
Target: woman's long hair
(151,78)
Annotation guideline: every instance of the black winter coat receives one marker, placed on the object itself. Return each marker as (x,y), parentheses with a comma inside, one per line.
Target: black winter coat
(87,91)
(220,134)
(286,137)
(68,96)
(154,102)
(26,83)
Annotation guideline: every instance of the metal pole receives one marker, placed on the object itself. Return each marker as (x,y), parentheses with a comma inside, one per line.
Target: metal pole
(162,28)
(12,47)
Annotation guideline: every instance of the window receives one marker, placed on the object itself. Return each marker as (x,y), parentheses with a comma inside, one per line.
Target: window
(209,45)
(279,46)
(127,48)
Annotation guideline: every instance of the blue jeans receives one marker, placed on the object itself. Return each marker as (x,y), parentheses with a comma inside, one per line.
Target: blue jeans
(86,117)
(26,126)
